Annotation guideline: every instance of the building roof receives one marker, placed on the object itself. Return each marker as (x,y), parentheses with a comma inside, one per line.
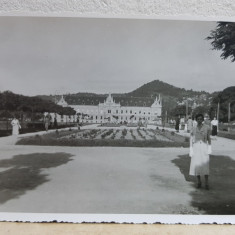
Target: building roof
(124,101)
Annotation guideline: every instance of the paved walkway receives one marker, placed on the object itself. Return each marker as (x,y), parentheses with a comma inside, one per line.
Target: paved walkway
(97,179)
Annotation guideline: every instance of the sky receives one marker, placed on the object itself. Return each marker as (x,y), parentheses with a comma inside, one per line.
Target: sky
(42,55)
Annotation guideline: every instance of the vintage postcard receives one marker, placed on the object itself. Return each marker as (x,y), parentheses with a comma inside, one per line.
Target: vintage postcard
(117,120)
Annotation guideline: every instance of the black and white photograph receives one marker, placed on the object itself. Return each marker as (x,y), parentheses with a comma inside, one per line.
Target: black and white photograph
(117,116)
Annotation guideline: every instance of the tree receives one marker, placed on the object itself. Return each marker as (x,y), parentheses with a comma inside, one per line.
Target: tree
(201,109)
(180,110)
(223,38)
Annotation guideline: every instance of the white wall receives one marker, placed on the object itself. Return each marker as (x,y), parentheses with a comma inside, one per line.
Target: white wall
(224,9)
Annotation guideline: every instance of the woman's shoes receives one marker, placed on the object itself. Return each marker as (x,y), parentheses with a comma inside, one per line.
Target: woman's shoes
(199,185)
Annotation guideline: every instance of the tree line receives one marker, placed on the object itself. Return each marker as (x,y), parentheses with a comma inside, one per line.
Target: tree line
(12,104)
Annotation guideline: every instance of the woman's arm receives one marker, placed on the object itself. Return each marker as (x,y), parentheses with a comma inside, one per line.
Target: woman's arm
(209,136)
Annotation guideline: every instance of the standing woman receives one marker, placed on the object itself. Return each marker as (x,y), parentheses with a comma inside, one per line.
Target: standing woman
(214,127)
(177,124)
(15,126)
(200,148)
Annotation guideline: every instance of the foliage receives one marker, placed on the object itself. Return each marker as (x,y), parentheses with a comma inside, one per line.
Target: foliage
(179,110)
(223,38)
(224,98)
(201,109)
(226,135)
(15,103)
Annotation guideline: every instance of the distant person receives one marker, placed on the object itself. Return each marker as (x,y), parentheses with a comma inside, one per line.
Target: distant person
(15,126)
(200,148)
(146,124)
(194,122)
(189,124)
(47,122)
(78,123)
(55,123)
(207,120)
(214,127)
(177,124)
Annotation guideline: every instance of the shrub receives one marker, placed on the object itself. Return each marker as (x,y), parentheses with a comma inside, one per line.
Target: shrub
(140,134)
(132,134)
(124,132)
(107,133)
(226,135)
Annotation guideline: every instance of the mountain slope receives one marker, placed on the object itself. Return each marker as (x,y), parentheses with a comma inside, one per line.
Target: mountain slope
(156,87)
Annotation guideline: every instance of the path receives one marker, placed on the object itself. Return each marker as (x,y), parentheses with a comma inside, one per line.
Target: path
(102,179)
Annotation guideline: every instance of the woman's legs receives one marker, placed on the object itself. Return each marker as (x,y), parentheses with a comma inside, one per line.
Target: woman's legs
(207,181)
(199,183)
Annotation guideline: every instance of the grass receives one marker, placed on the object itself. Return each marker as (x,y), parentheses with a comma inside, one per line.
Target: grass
(226,135)
(220,199)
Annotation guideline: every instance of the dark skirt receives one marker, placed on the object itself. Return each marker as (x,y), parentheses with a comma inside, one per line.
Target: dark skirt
(214,130)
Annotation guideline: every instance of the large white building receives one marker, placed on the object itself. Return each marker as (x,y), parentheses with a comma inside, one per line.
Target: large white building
(91,109)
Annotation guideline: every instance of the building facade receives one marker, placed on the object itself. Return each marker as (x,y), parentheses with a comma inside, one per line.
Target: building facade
(120,110)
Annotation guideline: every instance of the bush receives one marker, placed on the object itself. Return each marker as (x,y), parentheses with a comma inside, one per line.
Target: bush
(124,132)
(140,134)
(107,133)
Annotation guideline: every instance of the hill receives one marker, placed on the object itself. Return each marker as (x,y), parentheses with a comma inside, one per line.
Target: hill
(148,90)
(156,87)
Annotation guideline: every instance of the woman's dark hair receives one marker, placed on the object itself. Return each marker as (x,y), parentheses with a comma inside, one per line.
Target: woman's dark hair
(199,115)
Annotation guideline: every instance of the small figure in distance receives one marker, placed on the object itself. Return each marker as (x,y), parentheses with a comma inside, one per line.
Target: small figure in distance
(78,123)
(207,120)
(55,123)
(47,122)
(177,124)
(214,127)
(189,124)
(15,126)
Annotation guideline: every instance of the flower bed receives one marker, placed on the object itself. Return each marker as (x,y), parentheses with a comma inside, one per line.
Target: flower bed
(46,141)
(107,137)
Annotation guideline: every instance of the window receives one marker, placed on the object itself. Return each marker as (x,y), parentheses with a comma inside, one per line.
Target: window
(96,117)
(121,111)
(131,111)
(139,111)
(109,111)
(126,111)
(116,111)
